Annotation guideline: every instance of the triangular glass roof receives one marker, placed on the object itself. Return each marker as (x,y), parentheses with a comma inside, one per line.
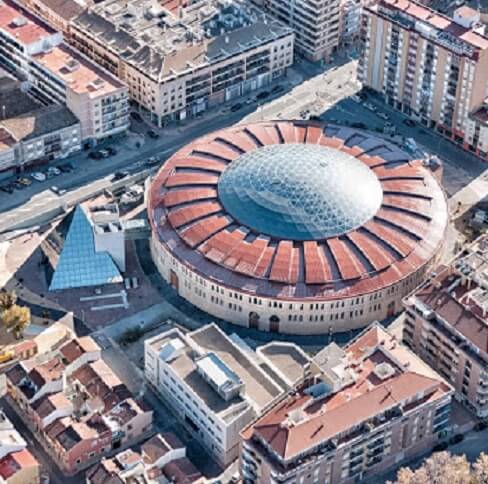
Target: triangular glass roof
(79,265)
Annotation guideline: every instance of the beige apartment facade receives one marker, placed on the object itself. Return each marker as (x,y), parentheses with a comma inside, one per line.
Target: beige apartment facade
(316,24)
(446,324)
(431,67)
(179,64)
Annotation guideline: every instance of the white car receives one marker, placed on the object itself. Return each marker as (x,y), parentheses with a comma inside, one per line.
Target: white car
(38,176)
(369,106)
(383,116)
(54,170)
(356,98)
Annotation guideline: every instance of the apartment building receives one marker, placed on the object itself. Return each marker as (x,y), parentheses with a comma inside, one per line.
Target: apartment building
(361,410)
(77,406)
(57,13)
(316,24)
(161,459)
(446,324)
(431,67)
(54,73)
(216,383)
(17,464)
(350,21)
(179,59)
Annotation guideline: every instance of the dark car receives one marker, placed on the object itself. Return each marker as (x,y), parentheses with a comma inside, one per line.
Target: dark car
(152,134)
(359,125)
(440,447)
(112,151)
(480,426)
(456,439)
(136,116)
(95,155)
(236,107)
(118,175)
(277,88)
(263,95)
(408,122)
(66,167)
(7,188)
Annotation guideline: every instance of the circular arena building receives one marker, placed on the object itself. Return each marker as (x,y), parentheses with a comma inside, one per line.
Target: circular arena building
(295,227)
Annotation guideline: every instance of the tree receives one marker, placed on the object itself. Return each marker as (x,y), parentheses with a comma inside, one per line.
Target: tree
(439,468)
(480,469)
(7,299)
(16,319)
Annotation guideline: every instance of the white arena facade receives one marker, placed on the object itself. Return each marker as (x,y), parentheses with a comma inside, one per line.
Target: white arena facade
(295,227)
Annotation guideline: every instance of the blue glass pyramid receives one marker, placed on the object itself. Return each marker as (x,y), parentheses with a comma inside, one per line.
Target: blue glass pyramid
(79,265)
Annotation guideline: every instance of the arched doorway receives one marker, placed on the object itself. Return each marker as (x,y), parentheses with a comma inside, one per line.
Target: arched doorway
(254,320)
(274,323)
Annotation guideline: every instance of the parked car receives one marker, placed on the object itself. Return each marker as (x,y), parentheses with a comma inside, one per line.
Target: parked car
(152,134)
(263,95)
(235,107)
(440,447)
(356,98)
(278,88)
(119,175)
(8,188)
(105,153)
(152,160)
(112,151)
(95,155)
(66,167)
(480,426)
(57,190)
(456,439)
(24,181)
(383,115)
(54,171)
(250,100)
(359,125)
(38,176)
(408,122)
(370,107)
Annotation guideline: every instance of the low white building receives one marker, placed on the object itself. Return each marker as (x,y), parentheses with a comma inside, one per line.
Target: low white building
(216,384)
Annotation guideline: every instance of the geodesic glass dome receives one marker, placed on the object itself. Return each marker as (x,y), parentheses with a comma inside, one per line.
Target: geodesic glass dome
(300,191)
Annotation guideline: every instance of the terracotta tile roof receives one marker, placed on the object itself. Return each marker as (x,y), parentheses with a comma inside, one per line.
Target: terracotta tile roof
(299,423)
(402,237)
(160,445)
(182,471)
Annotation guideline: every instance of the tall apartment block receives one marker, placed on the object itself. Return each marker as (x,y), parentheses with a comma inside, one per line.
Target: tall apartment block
(360,410)
(54,73)
(315,23)
(431,67)
(446,324)
(179,59)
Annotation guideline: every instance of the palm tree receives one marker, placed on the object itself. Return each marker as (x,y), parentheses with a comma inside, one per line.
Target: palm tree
(7,299)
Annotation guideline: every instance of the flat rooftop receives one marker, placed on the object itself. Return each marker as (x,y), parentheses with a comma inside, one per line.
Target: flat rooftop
(21,25)
(288,359)
(166,39)
(81,75)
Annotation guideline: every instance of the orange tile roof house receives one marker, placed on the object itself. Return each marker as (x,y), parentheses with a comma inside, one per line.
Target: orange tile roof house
(359,410)
(78,406)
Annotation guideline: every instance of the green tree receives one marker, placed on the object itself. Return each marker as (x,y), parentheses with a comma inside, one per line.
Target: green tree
(16,319)
(7,299)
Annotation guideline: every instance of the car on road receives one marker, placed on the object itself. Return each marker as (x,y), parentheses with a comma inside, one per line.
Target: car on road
(370,107)
(440,447)
(359,125)
(66,167)
(8,188)
(136,116)
(152,160)
(456,439)
(25,182)
(38,176)
(57,190)
(250,100)
(236,107)
(278,88)
(409,122)
(152,134)
(53,171)
(119,175)
(112,151)
(263,95)
(95,155)
(355,98)
(383,115)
